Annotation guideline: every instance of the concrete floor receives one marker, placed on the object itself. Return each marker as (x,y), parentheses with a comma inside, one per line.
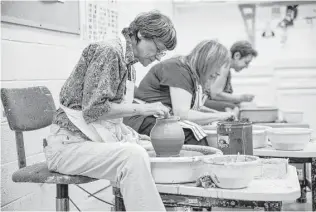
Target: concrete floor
(293,206)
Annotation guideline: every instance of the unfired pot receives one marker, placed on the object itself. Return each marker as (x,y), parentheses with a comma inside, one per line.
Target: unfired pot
(167,137)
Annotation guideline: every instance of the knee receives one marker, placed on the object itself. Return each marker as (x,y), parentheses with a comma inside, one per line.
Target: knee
(136,152)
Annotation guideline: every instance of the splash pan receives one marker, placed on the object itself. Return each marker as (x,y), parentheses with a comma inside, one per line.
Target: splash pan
(185,168)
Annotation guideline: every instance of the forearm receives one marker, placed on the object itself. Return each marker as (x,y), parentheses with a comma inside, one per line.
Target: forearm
(227,97)
(207,110)
(121,110)
(204,118)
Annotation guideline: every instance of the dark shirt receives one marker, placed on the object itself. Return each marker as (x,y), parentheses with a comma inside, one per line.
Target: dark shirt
(169,73)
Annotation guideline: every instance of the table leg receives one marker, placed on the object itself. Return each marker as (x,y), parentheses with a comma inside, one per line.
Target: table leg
(313,188)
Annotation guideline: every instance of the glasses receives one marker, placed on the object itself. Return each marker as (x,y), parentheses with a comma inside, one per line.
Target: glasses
(160,53)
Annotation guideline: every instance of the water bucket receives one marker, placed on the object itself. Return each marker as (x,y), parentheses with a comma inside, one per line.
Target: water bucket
(235,137)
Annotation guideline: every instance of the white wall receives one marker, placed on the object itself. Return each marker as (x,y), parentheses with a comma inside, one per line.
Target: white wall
(31,57)
(282,75)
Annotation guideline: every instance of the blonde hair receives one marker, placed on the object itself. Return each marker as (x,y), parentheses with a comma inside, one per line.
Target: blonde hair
(207,58)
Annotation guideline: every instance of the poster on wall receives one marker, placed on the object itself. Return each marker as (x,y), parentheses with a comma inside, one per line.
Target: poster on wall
(101,20)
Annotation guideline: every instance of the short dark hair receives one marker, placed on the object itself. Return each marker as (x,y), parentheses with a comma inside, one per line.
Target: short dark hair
(244,48)
(153,24)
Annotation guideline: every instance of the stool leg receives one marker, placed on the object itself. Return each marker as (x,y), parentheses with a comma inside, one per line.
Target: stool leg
(62,198)
(119,204)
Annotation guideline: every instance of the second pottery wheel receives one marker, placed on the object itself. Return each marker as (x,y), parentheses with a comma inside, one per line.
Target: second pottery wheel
(183,169)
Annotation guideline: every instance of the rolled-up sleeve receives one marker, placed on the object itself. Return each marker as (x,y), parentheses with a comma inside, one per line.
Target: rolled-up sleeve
(101,84)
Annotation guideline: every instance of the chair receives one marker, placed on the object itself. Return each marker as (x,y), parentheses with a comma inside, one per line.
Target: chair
(29,109)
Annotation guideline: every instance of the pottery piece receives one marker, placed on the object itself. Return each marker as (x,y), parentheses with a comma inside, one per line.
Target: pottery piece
(289,139)
(211,131)
(211,138)
(292,116)
(183,169)
(272,168)
(259,136)
(259,114)
(235,137)
(232,171)
(167,137)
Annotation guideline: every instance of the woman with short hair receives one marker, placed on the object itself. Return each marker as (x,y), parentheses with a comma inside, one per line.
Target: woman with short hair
(88,136)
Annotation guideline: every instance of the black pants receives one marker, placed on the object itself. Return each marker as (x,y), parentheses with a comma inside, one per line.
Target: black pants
(143,125)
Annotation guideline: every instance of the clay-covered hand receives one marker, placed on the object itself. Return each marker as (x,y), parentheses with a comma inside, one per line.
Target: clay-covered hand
(246,97)
(235,112)
(157,109)
(224,116)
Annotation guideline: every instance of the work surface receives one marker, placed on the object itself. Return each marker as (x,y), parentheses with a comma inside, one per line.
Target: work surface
(259,190)
(308,152)
(283,125)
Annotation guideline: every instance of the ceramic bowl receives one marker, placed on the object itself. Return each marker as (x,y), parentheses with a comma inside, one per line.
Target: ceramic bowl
(211,138)
(259,136)
(289,138)
(232,171)
(293,116)
(211,131)
(259,114)
(272,168)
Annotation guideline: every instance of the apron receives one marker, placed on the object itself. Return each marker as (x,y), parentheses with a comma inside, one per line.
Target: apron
(108,131)
(199,101)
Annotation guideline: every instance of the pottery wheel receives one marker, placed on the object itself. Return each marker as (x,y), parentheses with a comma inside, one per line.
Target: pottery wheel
(187,154)
(185,168)
(183,153)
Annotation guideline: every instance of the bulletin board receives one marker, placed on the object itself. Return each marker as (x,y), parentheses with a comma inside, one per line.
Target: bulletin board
(57,15)
(101,20)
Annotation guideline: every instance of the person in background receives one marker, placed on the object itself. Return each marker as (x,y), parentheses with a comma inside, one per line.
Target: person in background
(182,83)
(88,136)
(242,54)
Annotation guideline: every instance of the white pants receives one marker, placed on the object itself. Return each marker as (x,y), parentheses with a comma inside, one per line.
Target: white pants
(125,163)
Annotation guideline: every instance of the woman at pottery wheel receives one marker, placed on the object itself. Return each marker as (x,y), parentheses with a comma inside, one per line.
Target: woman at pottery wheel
(88,136)
(180,83)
